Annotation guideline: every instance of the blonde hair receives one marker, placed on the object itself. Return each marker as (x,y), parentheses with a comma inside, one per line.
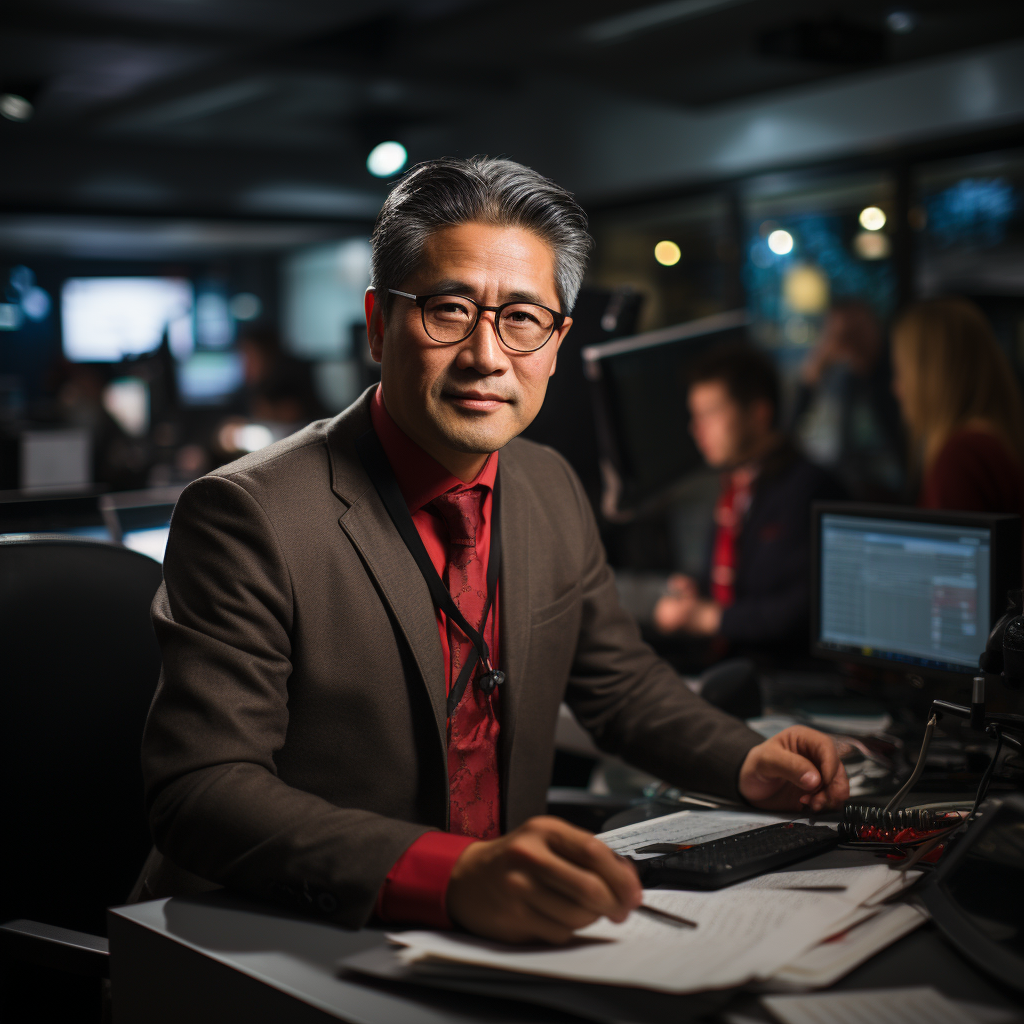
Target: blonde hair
(953,374)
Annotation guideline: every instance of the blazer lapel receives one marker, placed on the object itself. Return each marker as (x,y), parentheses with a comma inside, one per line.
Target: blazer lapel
(371,531)
(514,605)
(369,527)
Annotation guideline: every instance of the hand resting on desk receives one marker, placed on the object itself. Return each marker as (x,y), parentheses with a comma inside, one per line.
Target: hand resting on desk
(797,769)
(540,882)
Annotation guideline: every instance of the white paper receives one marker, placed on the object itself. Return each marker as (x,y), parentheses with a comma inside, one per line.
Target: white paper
(741,936)
(684,827)
(826,963)
(883,1006)
(868,884)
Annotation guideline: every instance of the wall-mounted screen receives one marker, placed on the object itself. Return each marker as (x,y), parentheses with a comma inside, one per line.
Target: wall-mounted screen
(107,319)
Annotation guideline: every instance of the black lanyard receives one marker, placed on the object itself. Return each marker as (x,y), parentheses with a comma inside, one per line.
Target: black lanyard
(375,462)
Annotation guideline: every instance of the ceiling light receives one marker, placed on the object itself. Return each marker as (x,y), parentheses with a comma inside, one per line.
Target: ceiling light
(667,253)
(780,242)
(900,22)
(15,107)
(386,159)
(872,218)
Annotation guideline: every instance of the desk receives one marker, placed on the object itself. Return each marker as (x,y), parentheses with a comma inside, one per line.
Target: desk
(222,958)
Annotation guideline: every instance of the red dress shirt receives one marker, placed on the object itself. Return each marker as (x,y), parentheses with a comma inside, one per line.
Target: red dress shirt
(416,887)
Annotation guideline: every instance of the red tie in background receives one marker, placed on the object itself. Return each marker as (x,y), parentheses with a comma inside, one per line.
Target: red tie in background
(733,502)
(473,729)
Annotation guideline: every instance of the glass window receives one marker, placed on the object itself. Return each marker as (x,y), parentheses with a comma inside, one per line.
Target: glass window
(967,216)
(809,243)
(679,255)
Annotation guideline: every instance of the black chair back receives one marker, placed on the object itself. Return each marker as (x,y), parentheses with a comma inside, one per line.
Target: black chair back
(80,665)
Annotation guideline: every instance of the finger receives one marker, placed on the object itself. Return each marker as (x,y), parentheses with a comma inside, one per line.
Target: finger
(618,874)
(820,749)
(557,909)
(779,763)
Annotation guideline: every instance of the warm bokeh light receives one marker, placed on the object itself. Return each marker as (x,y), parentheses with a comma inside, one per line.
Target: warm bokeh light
(805,289)
(872,218)
(780,242)
(667,253)
(871,245)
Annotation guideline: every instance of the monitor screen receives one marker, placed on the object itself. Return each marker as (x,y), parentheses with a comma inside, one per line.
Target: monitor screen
(210,378)
(900,590)
(107,319)
(639,388)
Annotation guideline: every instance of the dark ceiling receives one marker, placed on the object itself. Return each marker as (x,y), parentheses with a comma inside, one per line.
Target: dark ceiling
(268,108)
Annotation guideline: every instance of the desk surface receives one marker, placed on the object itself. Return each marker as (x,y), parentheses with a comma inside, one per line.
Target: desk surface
(223,958)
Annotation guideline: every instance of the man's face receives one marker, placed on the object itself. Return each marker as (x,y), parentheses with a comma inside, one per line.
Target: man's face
(725,432)
(474,396)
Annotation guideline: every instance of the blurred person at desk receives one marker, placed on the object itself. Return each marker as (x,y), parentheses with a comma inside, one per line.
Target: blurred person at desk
(844,413)
(756,591)
(330,729)
(962,405)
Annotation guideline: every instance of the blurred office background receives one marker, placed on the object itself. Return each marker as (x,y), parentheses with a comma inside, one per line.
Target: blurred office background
(187,189)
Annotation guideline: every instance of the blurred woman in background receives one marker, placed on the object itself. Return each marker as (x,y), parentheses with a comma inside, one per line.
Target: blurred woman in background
(961,402)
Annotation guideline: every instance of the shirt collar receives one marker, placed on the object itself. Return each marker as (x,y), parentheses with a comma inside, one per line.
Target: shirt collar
(421,478)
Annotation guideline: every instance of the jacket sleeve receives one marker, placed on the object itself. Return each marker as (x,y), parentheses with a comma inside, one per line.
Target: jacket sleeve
(632,702)
(217,807)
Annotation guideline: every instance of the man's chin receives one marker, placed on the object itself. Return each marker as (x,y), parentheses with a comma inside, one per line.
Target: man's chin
(477,435)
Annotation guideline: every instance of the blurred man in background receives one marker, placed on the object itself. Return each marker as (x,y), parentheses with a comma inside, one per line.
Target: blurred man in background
(755,592)
(844,416)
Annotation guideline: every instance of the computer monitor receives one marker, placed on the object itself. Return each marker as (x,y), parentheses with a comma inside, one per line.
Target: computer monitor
(107,319)
(907,588)
(638,388)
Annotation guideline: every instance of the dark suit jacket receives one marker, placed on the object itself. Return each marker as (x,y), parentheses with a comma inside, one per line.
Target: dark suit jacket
(773,563)
(296,743)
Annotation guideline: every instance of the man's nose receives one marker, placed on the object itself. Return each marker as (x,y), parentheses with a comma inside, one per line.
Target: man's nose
(482,350)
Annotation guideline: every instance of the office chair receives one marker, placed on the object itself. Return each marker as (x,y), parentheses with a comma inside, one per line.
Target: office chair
(81,664)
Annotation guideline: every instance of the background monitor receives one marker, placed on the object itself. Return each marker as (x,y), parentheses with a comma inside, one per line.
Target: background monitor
(107,319)
(638,387)
(900,587)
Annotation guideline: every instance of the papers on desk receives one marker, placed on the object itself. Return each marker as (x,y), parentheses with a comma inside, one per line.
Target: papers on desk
(748,932)
(685,827)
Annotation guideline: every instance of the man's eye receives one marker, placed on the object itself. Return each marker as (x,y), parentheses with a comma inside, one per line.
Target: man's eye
(450,310)
(520,317)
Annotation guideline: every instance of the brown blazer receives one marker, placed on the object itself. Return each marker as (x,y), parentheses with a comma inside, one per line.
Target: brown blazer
(296,743)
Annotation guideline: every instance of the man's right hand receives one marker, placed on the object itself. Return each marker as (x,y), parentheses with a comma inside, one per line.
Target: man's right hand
(540,883)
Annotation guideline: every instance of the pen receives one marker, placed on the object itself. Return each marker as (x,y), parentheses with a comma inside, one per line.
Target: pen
(664,915)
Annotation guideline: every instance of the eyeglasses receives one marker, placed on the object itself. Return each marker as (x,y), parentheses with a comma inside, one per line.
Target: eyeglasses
(522,326)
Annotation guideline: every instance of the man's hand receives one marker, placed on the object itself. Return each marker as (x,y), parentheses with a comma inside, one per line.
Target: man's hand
(799,766)
(540,883)
(682,608)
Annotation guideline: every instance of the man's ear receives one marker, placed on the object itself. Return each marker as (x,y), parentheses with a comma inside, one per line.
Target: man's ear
(374,324)
(763,415)
(558,344)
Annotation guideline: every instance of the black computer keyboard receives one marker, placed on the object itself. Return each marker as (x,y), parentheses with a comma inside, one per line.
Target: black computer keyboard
(721,862)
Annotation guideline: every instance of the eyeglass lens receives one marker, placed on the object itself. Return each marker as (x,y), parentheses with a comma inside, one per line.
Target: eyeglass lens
(521,325)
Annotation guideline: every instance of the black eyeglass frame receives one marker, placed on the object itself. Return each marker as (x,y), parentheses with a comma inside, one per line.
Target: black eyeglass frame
(421,301)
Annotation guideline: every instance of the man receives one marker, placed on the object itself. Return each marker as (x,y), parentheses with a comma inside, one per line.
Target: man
(300,744)
(756,592)
(845,415)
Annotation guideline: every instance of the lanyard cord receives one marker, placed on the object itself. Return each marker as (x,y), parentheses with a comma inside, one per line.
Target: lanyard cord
(375,462)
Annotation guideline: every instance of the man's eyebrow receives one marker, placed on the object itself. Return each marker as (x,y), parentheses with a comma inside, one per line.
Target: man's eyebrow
(450,286)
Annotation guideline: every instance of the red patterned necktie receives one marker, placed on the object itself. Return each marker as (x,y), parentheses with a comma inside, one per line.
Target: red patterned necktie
(473,728)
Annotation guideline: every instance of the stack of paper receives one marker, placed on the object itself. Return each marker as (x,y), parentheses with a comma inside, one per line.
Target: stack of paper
(778,925)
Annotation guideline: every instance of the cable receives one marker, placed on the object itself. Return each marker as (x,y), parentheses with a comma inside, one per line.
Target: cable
(992,730)
(918,768)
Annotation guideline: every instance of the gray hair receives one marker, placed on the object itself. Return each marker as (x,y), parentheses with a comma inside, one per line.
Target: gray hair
(442,193)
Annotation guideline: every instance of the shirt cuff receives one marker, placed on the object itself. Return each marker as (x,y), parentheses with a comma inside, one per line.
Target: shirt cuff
(416,888)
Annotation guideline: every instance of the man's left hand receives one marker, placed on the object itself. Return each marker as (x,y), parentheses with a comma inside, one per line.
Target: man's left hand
(799,768)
